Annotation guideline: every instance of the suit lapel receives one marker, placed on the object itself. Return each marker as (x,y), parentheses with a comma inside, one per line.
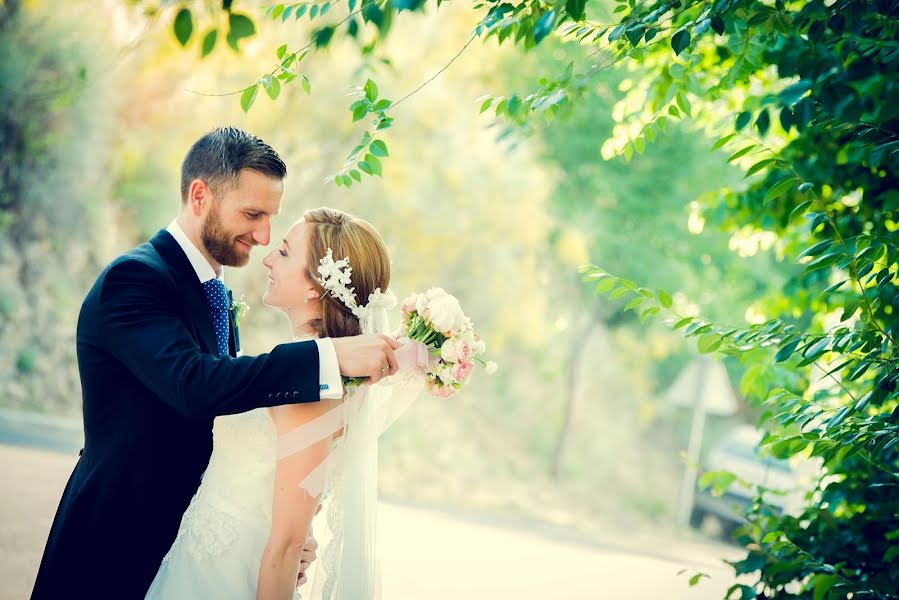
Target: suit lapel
(189,286)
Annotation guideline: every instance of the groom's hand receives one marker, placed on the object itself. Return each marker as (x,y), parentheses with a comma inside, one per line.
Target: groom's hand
(366,356)
(308,555)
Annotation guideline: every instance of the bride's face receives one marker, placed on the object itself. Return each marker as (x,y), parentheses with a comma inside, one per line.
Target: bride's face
(289,286)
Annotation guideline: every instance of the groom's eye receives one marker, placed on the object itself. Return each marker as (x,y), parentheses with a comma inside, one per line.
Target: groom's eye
(252,216)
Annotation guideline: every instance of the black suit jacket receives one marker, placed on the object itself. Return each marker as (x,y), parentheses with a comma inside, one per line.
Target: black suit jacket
(151,385)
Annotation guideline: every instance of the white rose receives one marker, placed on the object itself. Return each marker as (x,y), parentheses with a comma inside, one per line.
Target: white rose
(445,314)
(448,351)
(490,368)
(435,292)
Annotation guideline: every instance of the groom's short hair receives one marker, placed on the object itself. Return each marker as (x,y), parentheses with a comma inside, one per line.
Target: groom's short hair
(219,156)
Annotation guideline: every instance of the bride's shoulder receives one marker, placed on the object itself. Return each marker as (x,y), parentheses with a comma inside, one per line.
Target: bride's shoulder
(289,417)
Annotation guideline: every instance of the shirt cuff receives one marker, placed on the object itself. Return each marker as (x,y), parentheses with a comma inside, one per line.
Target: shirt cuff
(330,384)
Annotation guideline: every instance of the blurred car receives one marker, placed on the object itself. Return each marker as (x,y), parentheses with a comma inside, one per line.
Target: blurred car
(738,453)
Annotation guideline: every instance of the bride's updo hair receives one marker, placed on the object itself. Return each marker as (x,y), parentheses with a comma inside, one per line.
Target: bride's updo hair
(348,237)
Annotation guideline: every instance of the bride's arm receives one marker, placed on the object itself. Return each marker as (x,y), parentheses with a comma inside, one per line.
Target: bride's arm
(292,507)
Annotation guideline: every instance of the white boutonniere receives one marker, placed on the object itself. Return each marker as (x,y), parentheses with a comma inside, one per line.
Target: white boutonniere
(239,308)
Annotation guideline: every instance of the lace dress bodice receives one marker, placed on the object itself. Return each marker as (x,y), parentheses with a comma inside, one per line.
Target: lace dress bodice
(225,528)
(237,486)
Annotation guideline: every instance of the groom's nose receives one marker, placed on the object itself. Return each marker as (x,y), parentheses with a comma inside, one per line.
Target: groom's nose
(263,233)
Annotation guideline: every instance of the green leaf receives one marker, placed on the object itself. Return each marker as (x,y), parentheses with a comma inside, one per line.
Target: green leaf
(183,26)
(680,41)
(709,343)
(817,348)
(576,9)
(634,303)
(208,42)
(759,166)
(695,579)
(763,122)
(359,111)
(248,97)
(371,90)
(634,33)
(858,371)
(780,188)
(232,41)
(307,87)
(378,148)
(241,26)
(605,285)
(665,299)
(485,105)
(282,50)
(682,322)
(743,120)
(723,141)
(277,10)
(817,249)
(834,287)
(718,481)
(800,209)
(822,584)
(806,186)
(313,12)
(741,152)
(825,261)
(544,26)
(683,103)
(374,163)
(786,351)
(355,175)
(718,25)
(364,167)
(272,87)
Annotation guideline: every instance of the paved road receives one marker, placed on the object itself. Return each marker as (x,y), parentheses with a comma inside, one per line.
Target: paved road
(424,553)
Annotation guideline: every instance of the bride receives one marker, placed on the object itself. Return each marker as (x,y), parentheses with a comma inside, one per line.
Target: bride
(243,534)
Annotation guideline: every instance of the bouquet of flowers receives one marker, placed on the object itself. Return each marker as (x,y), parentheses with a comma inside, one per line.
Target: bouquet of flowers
(436,320)
(444,344)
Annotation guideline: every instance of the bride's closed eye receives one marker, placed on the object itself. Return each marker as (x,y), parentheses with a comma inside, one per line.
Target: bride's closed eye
(282,252)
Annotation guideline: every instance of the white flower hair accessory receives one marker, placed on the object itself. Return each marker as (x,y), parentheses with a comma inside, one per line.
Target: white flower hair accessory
(336,276)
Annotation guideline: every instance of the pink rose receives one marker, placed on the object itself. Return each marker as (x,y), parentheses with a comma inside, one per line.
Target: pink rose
(408,306)
(462,370)
(437,389)
(463,351)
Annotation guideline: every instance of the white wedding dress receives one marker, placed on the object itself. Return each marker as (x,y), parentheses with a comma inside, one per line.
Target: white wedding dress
(224,530)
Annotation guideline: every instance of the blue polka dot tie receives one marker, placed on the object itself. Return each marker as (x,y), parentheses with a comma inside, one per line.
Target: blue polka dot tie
(217,296)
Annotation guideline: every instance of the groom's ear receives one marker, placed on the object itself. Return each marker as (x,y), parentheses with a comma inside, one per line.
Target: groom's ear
(198,195)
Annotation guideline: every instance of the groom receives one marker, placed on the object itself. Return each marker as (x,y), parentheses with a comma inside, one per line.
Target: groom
(157,352)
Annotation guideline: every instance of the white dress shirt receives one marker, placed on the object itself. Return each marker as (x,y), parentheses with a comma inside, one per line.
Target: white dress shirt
(330,383)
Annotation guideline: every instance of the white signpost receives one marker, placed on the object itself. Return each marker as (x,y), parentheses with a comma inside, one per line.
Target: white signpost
(705,387)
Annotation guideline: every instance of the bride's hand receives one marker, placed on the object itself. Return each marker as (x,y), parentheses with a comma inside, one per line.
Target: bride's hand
(366,356)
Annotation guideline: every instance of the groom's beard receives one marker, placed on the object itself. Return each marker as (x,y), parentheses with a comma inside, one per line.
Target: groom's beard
(221,245)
